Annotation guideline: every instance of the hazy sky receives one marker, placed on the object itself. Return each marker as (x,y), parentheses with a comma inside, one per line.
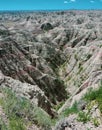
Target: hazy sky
(49,4)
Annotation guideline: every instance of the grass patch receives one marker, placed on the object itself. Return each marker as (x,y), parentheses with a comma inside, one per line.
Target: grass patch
(3,126)
(83,117)
(16,123)
(19,110)
(95,95)
(96,122)
(73,109)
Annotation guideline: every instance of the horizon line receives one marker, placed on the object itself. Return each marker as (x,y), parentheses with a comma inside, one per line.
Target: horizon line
(50,10)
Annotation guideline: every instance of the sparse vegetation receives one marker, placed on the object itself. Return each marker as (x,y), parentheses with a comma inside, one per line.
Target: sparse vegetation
(95,95)
(20,109)
(80,69)
(73,109)
(89,56)
(3,126)
(83,117)
(96,122)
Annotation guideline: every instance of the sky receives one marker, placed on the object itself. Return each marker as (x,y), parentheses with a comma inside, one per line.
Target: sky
(49,4)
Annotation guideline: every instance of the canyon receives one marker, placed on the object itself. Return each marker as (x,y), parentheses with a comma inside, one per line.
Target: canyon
(52,59)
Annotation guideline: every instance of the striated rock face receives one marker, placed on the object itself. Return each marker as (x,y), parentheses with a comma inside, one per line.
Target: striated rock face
(29,67)
(50,56)
(32,92)
(18,63)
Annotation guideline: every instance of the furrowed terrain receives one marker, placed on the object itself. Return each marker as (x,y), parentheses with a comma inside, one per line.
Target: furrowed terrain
(51,70)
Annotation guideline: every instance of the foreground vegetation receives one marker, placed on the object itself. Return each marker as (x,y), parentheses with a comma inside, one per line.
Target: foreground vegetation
(91,98)
(95,95)
(21,113)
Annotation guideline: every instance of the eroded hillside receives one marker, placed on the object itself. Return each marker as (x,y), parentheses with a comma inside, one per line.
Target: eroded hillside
(51,59)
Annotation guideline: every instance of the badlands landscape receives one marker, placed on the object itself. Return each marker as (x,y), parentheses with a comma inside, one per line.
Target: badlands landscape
(51,70)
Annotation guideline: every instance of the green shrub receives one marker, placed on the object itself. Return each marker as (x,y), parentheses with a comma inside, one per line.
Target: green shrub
(83,117)
(16,123)
(95,95)
(42,118)
(3,126)
(96,122)
(73,109)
